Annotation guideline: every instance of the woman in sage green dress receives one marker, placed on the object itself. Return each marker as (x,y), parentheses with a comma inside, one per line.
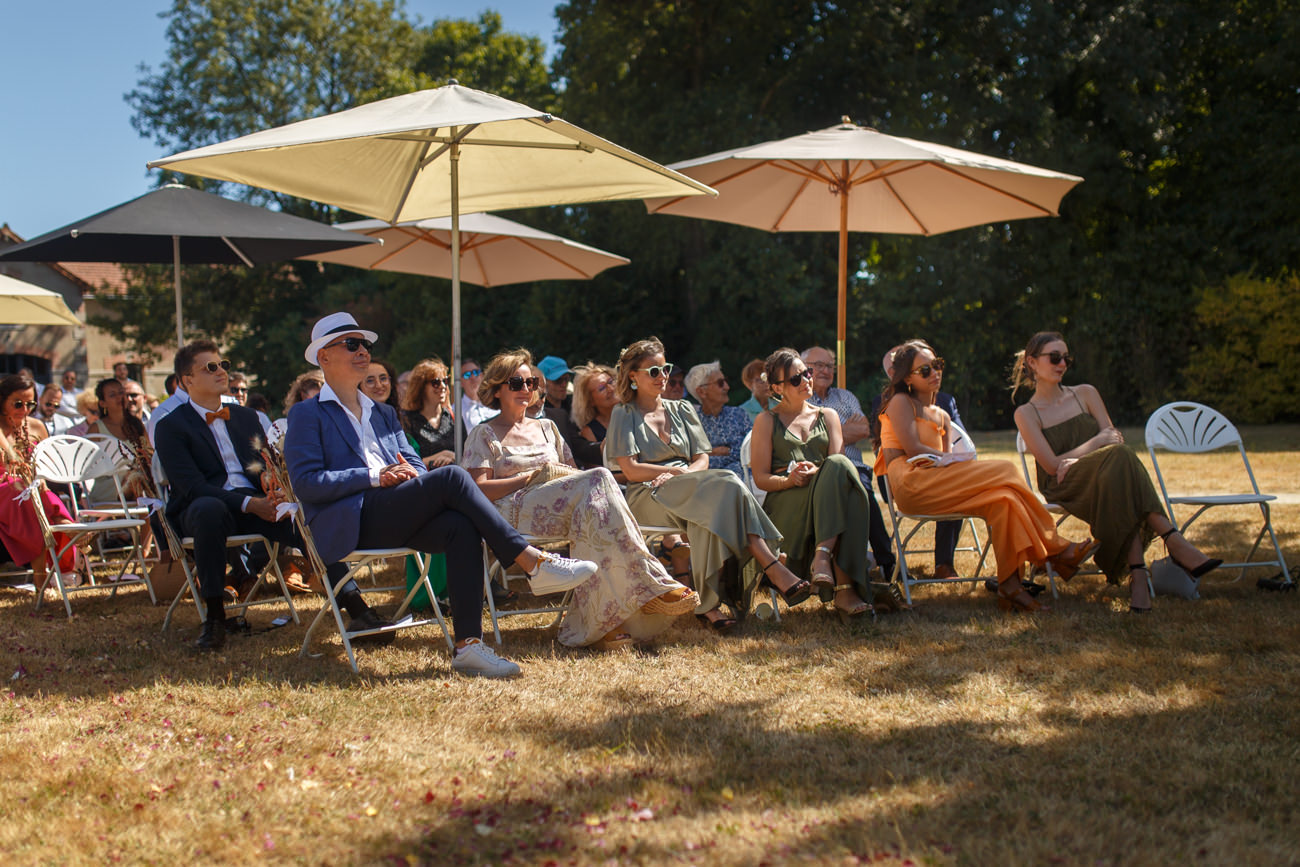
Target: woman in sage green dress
(662,450)
(1085,468)
(814,494)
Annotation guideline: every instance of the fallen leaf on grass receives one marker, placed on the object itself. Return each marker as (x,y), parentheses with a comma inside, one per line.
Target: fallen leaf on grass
(482,830)
(309,784)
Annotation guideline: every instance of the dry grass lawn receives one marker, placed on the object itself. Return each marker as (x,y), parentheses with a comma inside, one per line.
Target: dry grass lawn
(953,735)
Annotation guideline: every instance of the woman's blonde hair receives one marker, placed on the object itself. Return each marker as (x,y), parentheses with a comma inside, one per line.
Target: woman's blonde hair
(1021,375)
(87,401)
(584,410)
(300,385)
(628,361)
(498,370)
(420,376)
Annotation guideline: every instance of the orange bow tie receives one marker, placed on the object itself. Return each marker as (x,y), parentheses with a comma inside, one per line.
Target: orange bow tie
(223,414)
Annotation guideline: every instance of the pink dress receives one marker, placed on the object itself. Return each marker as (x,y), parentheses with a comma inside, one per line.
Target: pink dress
(588,508)
(20,532)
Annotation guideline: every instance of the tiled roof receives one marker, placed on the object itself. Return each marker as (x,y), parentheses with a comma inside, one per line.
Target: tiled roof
(100,276)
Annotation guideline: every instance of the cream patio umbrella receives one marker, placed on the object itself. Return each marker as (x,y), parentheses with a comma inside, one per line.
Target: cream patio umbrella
(849,177)
(22,303)
(436,153)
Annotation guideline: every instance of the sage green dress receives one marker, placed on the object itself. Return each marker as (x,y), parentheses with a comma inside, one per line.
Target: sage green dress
(1108,488)
(833,503)
(713,507)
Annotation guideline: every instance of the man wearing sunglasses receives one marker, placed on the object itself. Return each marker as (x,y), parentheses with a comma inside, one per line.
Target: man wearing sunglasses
(362,486)
(206,447)
(178,397)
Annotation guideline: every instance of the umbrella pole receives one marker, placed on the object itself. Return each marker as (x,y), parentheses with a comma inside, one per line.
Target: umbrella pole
(455,290)
(176,284)
(841,331)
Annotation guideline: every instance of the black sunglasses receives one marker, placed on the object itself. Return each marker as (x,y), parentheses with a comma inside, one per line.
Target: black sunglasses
(926,369)
(519,383)
(352,344)
(1057,357)
(470,374)
(657,371)
(19,404)
(796,378)
(214,366)
(445,382)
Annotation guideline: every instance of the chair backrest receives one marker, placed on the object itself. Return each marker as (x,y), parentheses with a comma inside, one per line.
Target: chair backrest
(960,442)
(71,460)
(1192,428)
(747,472)
(1023,451)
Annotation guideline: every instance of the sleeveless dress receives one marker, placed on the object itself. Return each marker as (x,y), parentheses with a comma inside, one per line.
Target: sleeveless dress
(587,508)
(1020,528)
(1108,488)
(833,503)
(713,507)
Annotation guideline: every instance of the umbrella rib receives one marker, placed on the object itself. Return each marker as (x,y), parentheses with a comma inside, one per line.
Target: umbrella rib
(776,226)
(890,170)
(574,268)
(445,140)
(411,175)
(238,252)
(715,184)
(412,238)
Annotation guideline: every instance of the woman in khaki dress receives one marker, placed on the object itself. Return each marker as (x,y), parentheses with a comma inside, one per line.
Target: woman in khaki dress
(1085,468)
(524,467)
(663,451)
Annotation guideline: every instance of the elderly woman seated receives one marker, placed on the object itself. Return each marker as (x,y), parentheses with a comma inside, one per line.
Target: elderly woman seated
(725,426)
(523,465)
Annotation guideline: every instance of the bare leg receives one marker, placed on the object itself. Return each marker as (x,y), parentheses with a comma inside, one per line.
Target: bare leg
(846,599)
(1139,592)
(1185,554)
(775,569)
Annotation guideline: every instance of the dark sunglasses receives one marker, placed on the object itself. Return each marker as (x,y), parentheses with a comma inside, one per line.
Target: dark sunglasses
(352,344)
(656,371)
(796,379)
(926,369)
(519,383)
(470,374)
(445,382)
(214,366)
(19,404)
(1057,357)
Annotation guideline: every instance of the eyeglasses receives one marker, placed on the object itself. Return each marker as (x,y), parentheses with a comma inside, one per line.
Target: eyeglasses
(134,396)
(470,374)
(352,344)
(720,382)
(519,383)
(445,382)
(656,371)
(1057,357)
(926,369)
(19,404)
(796,379)
(234,389)
(214,366)
(822,365)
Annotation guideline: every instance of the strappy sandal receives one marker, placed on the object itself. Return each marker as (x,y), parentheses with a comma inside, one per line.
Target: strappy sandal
(672,607)
(1133,569)
(1020,600)
(847,614)
(721,626)
(1067,564)
(1210,564)
(822,580)
(797,592)
(662,550)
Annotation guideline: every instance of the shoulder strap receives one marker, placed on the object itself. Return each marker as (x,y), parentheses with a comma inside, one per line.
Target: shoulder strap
(1074,395)
(1030,404)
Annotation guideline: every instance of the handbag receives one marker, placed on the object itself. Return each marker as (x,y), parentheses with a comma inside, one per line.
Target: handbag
(1170,579)
(167,579)
(549,473)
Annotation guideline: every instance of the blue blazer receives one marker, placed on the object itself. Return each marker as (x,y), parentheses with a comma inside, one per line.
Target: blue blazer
(329,472)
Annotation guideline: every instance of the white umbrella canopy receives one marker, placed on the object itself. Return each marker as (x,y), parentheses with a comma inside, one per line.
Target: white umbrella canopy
(22,303)
(851,178)
(494,251)
(435,153)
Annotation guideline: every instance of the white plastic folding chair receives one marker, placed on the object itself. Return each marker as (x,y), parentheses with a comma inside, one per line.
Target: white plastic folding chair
(1193,428)
(493,569)
(73,461)
(182,550)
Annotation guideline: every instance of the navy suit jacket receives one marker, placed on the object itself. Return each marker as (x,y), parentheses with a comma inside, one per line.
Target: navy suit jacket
(329,472)
(189,455)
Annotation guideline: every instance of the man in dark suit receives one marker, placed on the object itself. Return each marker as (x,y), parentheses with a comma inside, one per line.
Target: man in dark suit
(206,447)
(362,486)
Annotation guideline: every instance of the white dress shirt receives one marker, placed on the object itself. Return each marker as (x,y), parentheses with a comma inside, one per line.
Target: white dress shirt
(236,478)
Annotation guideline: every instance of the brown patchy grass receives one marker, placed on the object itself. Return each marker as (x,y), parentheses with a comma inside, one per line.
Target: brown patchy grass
(955,735)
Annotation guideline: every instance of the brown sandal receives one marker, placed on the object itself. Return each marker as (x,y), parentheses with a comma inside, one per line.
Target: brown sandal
(847,614)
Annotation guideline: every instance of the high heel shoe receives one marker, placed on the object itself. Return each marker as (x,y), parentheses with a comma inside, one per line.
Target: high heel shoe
(1067,562)
(1210,564)
(1133,569)
(797,592)
(721,626)
(857,610)
(1017,598)
(684,604)
(823,580)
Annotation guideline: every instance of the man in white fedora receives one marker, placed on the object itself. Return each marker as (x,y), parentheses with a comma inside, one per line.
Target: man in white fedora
(362,486)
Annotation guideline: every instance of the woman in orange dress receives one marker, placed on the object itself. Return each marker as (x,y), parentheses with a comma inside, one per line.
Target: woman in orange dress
(1021,530)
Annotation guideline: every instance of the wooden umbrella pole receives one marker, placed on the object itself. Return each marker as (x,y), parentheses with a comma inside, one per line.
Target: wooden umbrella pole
(455,291)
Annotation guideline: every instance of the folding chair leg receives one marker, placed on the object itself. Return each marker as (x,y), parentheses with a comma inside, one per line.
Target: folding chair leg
(487,591)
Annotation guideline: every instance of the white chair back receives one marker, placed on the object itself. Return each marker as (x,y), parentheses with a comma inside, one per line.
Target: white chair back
(1190,428)
(67,460)
(960,442)
(747,472)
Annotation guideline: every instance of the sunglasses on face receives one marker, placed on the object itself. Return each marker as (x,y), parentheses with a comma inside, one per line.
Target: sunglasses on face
(470,374)
(352,344)
(445,382)
(214,366)
(926,369)
(656,371)
(19,404)
(234,389)
(130,396)
(1057,357)
(796,379)
(519,383)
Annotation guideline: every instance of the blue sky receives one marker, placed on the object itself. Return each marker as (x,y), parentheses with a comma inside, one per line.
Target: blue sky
(67,149)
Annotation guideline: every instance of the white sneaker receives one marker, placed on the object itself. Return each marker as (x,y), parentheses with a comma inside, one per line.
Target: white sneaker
(556,574)
(476,659)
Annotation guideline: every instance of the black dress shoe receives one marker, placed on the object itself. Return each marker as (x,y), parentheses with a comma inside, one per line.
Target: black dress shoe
(213,636)
(370,619)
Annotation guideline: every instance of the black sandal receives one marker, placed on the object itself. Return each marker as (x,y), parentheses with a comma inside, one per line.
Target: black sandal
(797,592)
(721,626)
(1209,565)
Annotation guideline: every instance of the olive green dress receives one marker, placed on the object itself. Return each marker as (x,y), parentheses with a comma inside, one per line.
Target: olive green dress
(713,507)
(1108,488)
(833,503)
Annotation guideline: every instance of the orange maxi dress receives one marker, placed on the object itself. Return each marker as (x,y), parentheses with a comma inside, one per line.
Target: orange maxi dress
(1020,528)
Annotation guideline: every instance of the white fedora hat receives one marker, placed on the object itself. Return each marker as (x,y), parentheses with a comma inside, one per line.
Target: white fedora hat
(329,327)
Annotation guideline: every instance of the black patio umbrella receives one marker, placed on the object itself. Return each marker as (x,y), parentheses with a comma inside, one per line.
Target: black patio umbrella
(185,227)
